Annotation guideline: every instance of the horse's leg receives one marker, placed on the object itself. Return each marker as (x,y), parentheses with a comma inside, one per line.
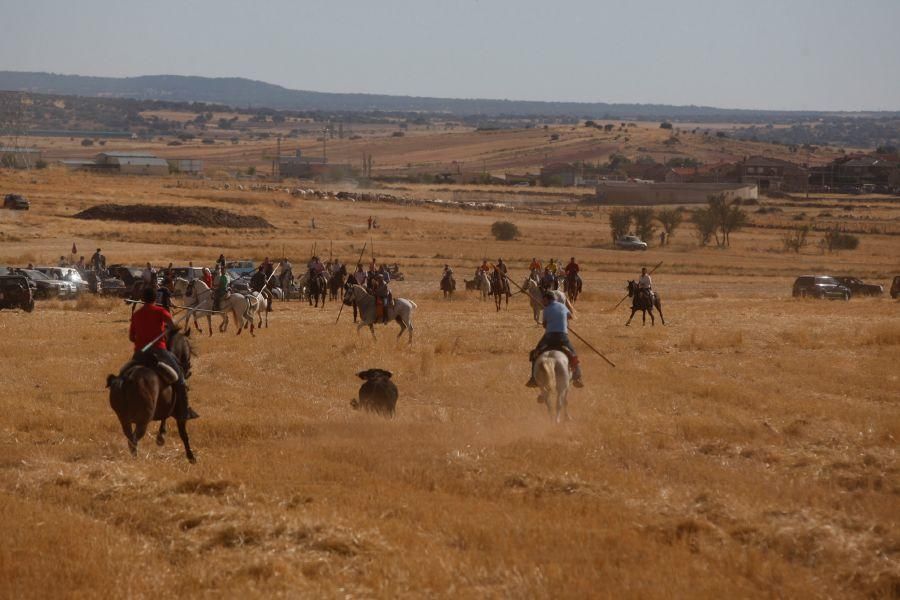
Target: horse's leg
(652,320)
(129,435)
(140,429)
(402,327)
(659,308)
(182,433)
(372,329)
(633,310)
(161,434)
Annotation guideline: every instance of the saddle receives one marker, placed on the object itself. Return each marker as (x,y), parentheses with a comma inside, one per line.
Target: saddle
(166,373)
(573,358)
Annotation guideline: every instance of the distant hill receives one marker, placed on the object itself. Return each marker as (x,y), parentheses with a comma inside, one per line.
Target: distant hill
(240,92)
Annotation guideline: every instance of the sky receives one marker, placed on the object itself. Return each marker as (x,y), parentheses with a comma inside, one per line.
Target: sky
(759,54)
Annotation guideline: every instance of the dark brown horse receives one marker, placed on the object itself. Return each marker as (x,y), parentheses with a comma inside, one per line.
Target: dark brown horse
(572,286)
(642,301)
(318,288)
(141,394)
(336,284)
(448,285)
(499,288)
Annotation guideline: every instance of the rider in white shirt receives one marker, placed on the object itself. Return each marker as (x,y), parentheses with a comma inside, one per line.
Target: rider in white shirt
(644,282)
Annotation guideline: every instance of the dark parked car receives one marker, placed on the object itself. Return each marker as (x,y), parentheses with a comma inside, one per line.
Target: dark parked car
(45,287)
(15,292)
(858,287)
(15,202)
(895,287)
(820,286)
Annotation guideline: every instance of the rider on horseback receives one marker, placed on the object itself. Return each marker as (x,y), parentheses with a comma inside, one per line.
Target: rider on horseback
(645,284)
(572,268)
(535,266)
(146,324)
(556,323)
(221,288)
(548,280)
(383,292)
(259,283)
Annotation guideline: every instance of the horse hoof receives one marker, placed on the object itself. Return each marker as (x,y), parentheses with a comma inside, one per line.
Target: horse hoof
(192,459)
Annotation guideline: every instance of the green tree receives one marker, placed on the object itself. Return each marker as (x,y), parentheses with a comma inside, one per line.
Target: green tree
(795,239)
(619,222)
(504,231)
(705,221)
(644,227)
(670,219)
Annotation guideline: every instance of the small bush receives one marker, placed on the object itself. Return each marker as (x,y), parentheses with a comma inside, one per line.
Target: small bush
(665,125)
(837,240)
(504,231)
(795,239)
(40,164)
(87,142)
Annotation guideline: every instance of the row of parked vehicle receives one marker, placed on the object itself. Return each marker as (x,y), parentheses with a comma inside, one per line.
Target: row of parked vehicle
(842,287)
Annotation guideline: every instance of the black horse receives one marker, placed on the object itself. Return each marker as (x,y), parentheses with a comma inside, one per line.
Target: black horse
(336,284)
(641,300)
(448,285)
(572,286)
(318,288)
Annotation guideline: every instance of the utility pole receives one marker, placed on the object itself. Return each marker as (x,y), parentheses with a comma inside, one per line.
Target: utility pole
(325,144)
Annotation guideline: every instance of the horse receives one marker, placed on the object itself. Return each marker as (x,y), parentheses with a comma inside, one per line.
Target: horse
(286,282)
(256,303)
(499,287)
(198,297)
(336,284)
(534,293)
(448,285)
(140,394)
(572,286)
(401,311)
(551,371)
(318,288)
(642,302)
(484,284)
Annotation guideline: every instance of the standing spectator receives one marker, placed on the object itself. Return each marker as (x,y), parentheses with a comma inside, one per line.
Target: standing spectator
(370,222)
(80,264)
(95,260)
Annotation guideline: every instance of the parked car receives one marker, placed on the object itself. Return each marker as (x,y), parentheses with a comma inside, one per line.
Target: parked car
(820,286)
(44,286)
(240,267)
(895,287)
(15,292)
(183,272)
(858,287)
(15,202)
(631,242)
(69,274)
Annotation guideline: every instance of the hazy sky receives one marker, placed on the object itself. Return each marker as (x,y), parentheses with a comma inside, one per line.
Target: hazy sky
(778,54)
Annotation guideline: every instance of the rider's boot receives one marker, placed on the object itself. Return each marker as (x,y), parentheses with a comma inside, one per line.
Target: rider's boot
(532,383)
(576,377)
(183,411)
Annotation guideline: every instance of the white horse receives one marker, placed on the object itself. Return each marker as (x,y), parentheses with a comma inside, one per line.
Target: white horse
(256,304)
(533,291)
(484,284)
(551,371)
(401,311)
(198,298)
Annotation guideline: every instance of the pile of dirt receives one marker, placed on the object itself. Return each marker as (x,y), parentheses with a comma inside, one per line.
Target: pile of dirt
(173,215)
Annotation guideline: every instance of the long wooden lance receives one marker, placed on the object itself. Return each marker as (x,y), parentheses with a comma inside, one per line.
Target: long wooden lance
(164,333)
(341,309)
(626,295)
(178,306)
(572,331)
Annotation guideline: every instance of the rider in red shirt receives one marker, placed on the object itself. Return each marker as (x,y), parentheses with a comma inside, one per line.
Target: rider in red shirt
(147,324)
(572,268)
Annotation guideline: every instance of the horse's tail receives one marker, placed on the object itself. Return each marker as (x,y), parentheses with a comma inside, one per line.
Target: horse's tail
(546,366)
(412,304)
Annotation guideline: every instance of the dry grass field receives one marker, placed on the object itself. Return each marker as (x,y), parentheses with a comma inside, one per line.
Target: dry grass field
(749,448)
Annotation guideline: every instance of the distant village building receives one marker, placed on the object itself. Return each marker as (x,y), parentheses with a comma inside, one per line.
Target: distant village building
(629,193)
(858,171)
(773,174)
(312,167)
(18,158)
(126,163)
(190,166)
(561,174)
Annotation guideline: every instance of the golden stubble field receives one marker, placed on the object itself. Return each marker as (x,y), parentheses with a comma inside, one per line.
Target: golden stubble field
(747,449)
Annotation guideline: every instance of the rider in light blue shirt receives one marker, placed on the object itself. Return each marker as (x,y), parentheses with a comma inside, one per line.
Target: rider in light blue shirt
(556,336)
